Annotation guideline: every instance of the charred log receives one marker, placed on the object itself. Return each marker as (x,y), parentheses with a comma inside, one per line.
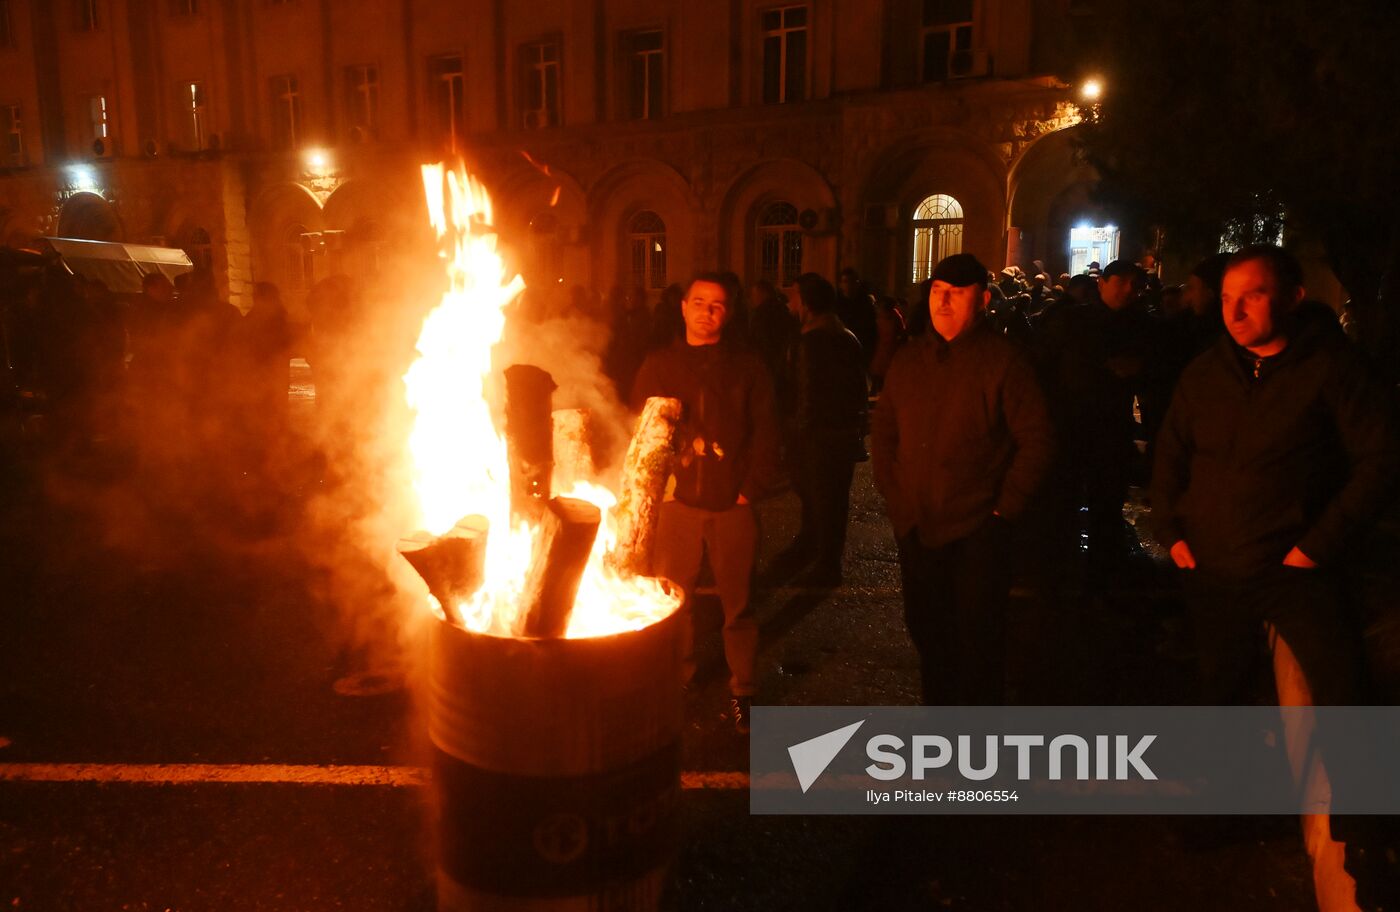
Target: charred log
(529,438)
(453,564)
(567,528)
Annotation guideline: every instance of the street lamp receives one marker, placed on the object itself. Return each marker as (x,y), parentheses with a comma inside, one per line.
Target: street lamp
(1091,90)
(317,160)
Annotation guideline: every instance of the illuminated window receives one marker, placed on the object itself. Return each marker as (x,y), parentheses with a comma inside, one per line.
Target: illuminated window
(946,39)
(99,118)
(784,54)
(938,233)
(540,75)
(362,101)
(646,59)
(286,112)
(11,136)
(195,114)
(85,15)
(646,247)
(447,99)
(779,243)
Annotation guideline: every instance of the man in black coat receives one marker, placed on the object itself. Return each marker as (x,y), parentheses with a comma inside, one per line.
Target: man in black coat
(828,429)
(728,442)
(1278,448)
(960,441)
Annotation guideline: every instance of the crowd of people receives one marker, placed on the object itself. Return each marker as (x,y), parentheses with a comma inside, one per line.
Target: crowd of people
(1002,399)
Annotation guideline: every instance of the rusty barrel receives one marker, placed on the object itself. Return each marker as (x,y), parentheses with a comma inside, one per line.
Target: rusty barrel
(556,769)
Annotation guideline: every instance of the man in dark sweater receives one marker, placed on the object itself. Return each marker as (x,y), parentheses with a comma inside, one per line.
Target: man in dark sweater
(828,429)
(1278,447)
(960,441)
(728,442)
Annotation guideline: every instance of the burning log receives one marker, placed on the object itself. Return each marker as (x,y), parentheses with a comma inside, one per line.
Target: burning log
(573,450)
(563,542)
(453,564)
(529,438)
(644,475)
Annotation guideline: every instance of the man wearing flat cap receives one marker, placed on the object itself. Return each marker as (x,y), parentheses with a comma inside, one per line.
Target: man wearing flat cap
(960,441)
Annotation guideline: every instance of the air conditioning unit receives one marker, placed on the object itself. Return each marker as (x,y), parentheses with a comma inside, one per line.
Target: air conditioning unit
(969,64)
(103,147)
(817,221)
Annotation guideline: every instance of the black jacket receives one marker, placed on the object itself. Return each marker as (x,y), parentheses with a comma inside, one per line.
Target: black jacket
(728,437)
(961,430)
(831,390)
(1248,468)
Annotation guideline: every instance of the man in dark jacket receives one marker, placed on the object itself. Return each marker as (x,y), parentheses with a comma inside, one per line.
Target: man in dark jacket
(828,429)
(728,442)
(1278,447)
(960,441)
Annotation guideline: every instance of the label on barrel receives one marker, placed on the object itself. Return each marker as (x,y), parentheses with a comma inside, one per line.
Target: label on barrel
(554,836)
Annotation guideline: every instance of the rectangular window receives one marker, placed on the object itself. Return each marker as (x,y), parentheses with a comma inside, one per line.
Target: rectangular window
(99,118)
(7,30)
(362,101)
(785,55)
(946,39)
(85,15)
(195,113)
(12,137)
(184,7)
(646,68)
(447,102)
(540,95)
(286,112)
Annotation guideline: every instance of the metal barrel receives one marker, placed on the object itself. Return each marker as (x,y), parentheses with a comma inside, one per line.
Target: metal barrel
(556,769)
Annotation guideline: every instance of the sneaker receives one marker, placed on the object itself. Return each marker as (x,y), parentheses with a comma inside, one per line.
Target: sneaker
(740,710)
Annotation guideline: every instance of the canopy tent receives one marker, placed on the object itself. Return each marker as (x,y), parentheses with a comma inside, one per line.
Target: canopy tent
(120,267)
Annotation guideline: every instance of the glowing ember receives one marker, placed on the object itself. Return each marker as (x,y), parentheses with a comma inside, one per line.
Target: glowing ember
(457,451)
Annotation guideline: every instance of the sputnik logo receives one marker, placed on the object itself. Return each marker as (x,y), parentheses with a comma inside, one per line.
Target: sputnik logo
(810,758)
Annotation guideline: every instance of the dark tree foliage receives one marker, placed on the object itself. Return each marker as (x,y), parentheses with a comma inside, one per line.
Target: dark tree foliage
(1221,117)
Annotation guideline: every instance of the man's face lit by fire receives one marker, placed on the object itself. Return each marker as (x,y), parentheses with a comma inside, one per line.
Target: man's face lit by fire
(705,308)
(1252,304)
(953,308)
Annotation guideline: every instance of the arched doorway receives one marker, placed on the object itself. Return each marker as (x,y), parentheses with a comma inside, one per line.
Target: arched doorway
(938,233)
(89,217)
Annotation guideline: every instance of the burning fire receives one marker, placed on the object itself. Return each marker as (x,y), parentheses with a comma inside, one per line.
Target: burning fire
(458,453)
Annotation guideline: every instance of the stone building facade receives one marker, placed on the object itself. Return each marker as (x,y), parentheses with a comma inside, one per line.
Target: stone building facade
(626,142)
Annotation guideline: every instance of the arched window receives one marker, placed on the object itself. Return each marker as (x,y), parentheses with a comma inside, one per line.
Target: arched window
(646,250)
(299,257)
(938,233)
(779,243)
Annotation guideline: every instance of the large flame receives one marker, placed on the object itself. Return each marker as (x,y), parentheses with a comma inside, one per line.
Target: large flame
(457,451)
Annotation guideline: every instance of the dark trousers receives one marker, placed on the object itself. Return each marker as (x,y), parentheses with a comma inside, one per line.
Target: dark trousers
(823,485)
(1309,612)
(1311,615)
(955,599)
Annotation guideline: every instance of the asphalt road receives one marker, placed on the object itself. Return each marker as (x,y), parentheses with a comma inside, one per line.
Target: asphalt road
(143,629)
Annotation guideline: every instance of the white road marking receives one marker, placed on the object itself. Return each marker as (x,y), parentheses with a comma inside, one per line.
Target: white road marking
(275,774)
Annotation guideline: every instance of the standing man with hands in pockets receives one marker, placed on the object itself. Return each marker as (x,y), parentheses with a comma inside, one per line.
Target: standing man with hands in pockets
(960,441)
(1278,446)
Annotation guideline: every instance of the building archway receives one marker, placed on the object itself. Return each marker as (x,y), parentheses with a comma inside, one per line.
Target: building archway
(755,239)
(279,212)
(1050,190)
(617,204)
(902,179)
(89,217)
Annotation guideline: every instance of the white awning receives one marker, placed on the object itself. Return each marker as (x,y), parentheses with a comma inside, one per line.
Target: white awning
(120,267)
